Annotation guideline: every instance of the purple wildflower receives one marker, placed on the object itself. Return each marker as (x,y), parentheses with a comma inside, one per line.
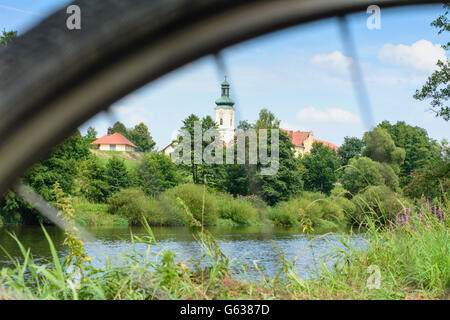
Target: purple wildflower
(434,210)
(406,218)
(428,204)
(420,216)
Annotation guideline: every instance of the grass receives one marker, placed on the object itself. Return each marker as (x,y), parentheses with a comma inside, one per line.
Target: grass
(95,214)
(410,259)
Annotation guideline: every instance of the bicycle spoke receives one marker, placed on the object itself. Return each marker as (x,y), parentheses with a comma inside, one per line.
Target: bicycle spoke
(356,74)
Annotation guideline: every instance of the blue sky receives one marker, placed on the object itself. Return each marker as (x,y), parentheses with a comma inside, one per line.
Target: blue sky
(301,74)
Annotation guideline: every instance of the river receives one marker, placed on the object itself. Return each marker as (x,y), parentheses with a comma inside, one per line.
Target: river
(260,245)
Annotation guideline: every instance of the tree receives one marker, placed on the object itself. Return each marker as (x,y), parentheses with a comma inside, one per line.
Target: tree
(141,137)
(92,180)
(7,37)
(119,127)
(157,173)
(363,172)
(351,148)
(321,165)
(199,170)
(266,120)
(61,166)
(287,181)
(380,147)
(420,150)
(437,86)
(91,133)
(116,174)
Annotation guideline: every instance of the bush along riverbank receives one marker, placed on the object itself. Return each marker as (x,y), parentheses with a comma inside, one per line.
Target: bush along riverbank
(408,259)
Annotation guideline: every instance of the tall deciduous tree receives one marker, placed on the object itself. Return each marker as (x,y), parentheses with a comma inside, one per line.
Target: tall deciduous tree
(420,150)
(116,174)
(380,147)
(437,86)
(287,181)
(321,165)
(141,137)
(351,148)
(157,173)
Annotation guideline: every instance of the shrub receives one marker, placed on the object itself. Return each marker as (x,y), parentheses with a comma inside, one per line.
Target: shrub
(156,173)
(314,210)
(134,205)
(239,210)
(361,173)
(378,203)
(192,196)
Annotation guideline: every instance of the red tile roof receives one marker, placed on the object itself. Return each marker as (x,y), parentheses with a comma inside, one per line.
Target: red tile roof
(115,138)
(297,137)
(328,144)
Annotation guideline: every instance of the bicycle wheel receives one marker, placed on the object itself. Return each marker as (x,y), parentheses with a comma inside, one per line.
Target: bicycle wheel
(52,79)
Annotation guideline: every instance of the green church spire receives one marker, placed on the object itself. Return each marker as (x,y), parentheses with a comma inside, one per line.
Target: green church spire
(225,101)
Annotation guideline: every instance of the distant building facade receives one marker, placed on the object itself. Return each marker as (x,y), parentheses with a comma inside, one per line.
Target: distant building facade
(224,114)
(303,142)
(114,142)
(224,117)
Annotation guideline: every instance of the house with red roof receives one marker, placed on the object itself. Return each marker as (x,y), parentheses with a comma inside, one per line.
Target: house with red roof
(303,141)
(114,142)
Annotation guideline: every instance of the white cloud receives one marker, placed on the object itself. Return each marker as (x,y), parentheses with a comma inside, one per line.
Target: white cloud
(290,126)
(329,115)
(335,62)
(421,55)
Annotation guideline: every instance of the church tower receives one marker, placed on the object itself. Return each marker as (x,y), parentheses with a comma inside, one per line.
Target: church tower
(224,114)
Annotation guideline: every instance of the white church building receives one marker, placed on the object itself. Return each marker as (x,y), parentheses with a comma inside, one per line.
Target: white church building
(223,116)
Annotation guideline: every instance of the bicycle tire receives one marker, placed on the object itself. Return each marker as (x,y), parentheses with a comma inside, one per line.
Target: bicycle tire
(71,75)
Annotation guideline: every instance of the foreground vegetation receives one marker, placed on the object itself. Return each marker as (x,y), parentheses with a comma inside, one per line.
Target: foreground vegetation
(408,260)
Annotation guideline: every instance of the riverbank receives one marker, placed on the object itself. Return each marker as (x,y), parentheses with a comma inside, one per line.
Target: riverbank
(310,212)
(408,260)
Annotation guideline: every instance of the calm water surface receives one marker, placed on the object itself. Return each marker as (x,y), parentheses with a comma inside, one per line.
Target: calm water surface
(241,245)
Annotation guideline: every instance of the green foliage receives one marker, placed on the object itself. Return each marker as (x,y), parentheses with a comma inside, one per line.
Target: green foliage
(420,150)
(116,175)
(141,137)
(7,37)
(61,166)
(266,120)
(380,147)
(314,212)
(238,210)
(321,165)
(432,182)
(199,171)
(156,173)
(287,182)
(378,203)
(92,180)
(135,205)
(119,127)
(437,86)
(195,199)
(351,148)
(363,172)
(91,133)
